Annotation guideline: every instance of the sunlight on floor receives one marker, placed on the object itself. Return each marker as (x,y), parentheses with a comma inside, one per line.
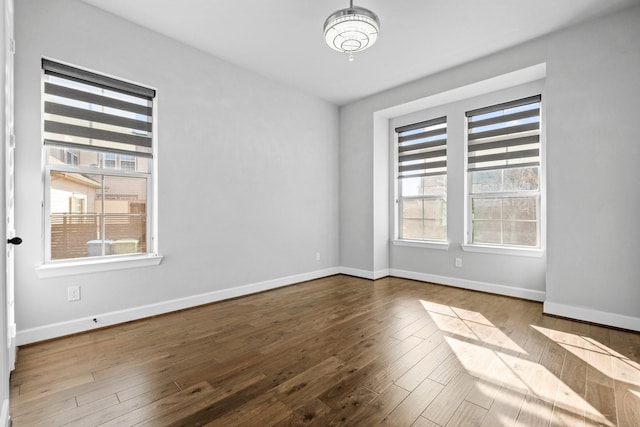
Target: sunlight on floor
(536,378)
(468,324)
(600,357)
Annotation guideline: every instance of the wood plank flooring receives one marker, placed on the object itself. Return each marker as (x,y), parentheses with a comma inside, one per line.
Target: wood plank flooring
(337,351)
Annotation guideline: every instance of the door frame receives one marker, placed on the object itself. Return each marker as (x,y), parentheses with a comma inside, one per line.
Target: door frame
(6,358)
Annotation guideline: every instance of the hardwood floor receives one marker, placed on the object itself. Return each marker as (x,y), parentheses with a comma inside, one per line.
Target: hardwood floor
(337,351)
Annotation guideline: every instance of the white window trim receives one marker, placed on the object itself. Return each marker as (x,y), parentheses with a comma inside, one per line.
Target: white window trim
(425,244)
(92,265)
(504,195)
(504,250)
(398,218)
(532,252)
(437,244)
(82,266)
(384,131)
(74,169)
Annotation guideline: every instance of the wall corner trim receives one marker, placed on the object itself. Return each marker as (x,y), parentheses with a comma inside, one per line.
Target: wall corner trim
(55,330)
(594,316)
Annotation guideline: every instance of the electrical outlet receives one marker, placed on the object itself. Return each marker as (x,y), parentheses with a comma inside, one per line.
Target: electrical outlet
(458,263)
(317,256)
(73,293)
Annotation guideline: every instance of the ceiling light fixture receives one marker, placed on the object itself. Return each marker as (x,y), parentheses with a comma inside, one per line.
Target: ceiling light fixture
(351,30)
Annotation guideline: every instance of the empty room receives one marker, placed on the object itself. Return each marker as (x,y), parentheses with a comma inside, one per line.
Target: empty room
(299,212)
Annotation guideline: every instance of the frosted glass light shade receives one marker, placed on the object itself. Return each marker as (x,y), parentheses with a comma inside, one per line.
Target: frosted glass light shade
(352,29)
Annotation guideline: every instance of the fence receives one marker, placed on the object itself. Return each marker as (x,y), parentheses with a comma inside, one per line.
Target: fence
(71,233)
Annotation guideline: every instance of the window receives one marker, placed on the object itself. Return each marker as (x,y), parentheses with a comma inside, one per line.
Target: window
(503,160)
(98,146)
(422,180)
(71,157)
(107,160)
(127,162)
(77,203)
(117,161)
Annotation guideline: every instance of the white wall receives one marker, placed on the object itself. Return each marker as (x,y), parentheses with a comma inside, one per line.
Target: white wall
(594,178)
(273,186)
(248,175)
(592,87)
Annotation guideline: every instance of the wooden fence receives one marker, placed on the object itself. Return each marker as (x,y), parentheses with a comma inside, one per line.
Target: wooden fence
(71,234)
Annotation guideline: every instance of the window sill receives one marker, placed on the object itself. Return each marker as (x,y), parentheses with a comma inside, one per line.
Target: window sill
(443,246)
(69,268)
(524,252)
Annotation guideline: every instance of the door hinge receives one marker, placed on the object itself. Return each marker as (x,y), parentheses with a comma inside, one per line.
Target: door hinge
(12,45)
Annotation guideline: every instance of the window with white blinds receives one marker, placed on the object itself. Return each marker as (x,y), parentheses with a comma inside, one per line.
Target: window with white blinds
(505,135)
(503,169)
(422,180)
(422,149)
(98,145)
(88,111)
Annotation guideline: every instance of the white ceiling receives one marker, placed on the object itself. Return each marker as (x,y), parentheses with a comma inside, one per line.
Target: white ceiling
(283,39)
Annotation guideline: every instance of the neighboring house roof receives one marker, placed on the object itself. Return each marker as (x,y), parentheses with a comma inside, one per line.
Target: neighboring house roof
(75,177)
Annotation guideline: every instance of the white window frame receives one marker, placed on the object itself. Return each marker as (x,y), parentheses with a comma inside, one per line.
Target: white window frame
(502,195)
(102,160)
(87,170)
(122,161)
(60,268)
(397,183)
(521,82)
(540,194)
(419,197)
(401,241)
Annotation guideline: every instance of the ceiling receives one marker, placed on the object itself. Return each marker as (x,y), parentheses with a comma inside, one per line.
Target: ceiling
(283,40)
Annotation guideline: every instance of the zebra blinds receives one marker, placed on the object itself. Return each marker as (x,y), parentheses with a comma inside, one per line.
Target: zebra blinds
(422,149)
(88,111)
(504,135)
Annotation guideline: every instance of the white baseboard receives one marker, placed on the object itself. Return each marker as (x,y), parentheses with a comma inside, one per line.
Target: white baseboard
(364,274)
(4,414)
(379,274)
(594,316)
(74,326)
(55,330)
(471,285)
(572,312)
